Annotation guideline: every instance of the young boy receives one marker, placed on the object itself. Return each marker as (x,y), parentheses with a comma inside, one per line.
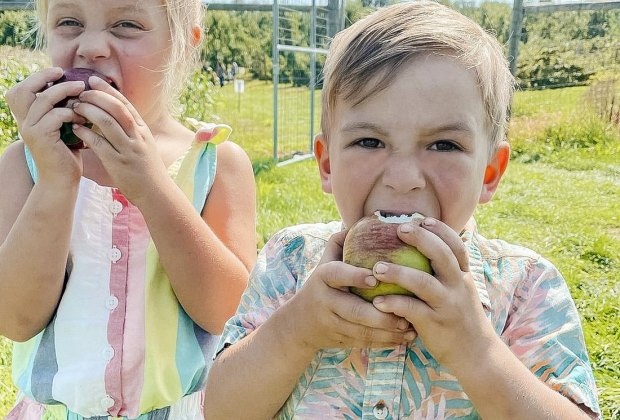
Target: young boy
(415,109)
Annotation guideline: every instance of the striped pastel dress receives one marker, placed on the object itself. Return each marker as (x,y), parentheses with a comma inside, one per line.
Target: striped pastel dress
(120,344)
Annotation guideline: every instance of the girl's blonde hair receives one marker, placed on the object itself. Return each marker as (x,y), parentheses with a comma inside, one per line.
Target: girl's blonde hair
(365,57)
(183,17)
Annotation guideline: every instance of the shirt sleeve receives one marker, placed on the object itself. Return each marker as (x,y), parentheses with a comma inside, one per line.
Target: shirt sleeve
(545,333)
(276,277)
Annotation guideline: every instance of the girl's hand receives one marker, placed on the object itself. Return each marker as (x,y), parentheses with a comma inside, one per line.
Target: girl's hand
(124,143)
(327,315)
(447,313)
(32,104)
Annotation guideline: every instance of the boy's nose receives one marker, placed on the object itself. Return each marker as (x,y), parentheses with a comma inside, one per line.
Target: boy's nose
(93,46)
(403,174)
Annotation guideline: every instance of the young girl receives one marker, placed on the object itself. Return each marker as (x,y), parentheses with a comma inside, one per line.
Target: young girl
(116,272)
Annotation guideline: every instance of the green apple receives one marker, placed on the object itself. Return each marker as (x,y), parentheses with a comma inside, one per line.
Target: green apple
(374,238)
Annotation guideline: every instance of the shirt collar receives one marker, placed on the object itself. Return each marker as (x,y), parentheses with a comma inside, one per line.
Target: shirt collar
(476,266)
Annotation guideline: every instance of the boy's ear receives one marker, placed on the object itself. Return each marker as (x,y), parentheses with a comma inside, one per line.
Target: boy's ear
(321,154)
(196,35)
(494,172)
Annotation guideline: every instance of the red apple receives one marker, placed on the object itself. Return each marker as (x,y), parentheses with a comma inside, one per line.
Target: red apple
(373,239)
(76,74)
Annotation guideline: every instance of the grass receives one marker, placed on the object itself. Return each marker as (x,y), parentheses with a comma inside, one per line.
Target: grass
(560,196)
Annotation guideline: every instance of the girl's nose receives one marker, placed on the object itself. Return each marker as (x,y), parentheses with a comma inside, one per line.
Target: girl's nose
(403,174)
(93,46)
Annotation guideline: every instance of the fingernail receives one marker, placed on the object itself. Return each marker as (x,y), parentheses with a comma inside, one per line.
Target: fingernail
(403,324)
(380,268)
(406,228)
(410,335)
(429,221)
(371,281)
(378,300)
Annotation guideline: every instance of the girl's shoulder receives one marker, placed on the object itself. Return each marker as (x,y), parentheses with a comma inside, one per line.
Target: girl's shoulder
(13,164)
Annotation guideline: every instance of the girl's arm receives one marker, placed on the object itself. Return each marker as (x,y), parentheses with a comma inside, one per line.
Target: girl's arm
(208,260)
(35,229)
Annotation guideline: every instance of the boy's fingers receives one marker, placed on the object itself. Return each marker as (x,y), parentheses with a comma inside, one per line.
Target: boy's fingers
(360,336)
(444,262)
(451,238)
(424,285)
(333,249)
(359,312)
(339,275)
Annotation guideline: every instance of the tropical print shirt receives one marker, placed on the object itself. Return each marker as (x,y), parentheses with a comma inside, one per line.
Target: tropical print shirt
(524,297)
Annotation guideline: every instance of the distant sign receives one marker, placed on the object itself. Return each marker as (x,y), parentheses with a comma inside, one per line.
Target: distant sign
(239,86)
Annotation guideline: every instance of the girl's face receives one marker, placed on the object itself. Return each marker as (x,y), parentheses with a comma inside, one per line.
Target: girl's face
(126,40)
(420,145)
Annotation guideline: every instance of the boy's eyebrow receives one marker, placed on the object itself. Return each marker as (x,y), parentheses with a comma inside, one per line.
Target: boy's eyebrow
(363,125)
(450,126)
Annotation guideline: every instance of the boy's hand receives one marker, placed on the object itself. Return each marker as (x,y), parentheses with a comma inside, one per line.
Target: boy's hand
(447,313)
(39,122)
(326,315)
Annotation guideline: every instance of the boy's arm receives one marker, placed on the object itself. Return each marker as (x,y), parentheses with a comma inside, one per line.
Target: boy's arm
(501,387)
(35,228)
(257,374)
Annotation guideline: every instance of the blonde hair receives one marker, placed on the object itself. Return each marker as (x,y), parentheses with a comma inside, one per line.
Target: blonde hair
(365,57)
(183,17)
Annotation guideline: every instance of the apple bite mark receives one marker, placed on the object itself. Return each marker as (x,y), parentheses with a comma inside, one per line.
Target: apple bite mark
(76,74)
(373,239)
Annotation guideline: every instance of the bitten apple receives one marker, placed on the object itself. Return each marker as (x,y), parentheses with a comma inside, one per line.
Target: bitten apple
(374,238)
(76,74)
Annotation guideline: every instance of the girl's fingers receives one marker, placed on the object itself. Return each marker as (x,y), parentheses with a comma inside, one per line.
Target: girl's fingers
(21,96)
(95,141)
(110,125)
(46,100)
(102,85)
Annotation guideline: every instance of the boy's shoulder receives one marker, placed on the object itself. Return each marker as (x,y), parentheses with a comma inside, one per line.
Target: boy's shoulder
(302,233)
(498,248)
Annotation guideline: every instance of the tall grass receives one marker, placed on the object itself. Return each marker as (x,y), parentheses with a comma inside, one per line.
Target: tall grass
(560,196)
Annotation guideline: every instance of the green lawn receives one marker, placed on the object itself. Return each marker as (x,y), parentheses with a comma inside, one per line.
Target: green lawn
(560,197)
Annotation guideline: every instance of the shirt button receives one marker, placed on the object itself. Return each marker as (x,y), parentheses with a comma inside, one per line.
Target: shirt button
(116,207)
(114,254)
(107,402)
(111,302)
(380,411)
(108,354)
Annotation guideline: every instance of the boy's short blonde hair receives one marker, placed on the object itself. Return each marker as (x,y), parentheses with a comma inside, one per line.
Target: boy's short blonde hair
(183,16)
(365,57)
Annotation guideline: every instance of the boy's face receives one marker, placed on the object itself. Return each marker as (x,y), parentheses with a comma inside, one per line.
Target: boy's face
(421,145)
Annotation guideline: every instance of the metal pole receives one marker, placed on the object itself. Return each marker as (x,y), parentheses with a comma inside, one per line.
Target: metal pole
(515,34)
(276,74)
(312,70)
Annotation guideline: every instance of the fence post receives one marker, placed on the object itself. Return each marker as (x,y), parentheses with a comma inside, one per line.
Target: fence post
(515,34)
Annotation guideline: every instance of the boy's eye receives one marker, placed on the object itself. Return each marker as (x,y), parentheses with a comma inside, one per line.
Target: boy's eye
(444,146)
(369,143)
